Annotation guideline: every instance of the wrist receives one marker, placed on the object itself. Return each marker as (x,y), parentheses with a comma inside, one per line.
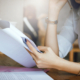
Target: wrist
(58,63)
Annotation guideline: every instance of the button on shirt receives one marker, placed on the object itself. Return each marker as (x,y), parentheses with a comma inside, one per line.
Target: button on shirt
(69,33)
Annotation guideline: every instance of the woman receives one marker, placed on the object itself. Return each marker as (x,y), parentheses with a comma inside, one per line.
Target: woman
(50,58)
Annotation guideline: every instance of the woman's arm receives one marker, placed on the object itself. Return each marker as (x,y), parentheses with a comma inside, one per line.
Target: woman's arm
(49,59)
(68,66)
(51,33)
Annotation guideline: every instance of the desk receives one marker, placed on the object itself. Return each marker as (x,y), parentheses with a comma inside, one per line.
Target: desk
(60,75)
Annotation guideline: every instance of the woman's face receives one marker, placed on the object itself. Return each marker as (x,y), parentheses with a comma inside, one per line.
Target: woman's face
(78,1)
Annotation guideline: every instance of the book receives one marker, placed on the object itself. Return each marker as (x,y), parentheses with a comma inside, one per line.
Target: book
(13,44)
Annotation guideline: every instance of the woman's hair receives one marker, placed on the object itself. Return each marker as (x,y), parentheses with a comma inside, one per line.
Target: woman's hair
(74,4)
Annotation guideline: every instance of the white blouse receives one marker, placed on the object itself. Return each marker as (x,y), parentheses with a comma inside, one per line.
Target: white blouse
(69,33)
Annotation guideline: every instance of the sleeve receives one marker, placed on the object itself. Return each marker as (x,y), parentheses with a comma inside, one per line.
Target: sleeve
(66,37)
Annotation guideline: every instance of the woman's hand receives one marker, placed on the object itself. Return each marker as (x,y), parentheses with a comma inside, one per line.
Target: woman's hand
(48,59)
(54,8)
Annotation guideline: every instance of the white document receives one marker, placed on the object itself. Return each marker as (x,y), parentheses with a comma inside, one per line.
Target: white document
(32,75)
(13,45)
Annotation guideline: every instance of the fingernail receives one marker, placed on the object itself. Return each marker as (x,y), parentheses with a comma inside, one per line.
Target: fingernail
(25,40)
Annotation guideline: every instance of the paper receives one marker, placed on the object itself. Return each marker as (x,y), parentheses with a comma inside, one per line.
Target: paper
(12,44)
(32,75)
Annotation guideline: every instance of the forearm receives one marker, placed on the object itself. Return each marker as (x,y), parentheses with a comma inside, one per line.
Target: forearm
(51,38)
(51,32)
(68,66)
(51,35)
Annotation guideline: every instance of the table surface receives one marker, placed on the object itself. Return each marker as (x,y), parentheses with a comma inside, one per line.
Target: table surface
(61,75)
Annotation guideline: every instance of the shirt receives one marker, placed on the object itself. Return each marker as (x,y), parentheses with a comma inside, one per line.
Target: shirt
(69,33)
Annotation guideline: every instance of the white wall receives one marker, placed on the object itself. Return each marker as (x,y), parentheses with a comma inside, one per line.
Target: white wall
(12,10)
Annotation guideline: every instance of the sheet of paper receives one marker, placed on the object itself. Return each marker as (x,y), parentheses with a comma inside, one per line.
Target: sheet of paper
(32,75)
(12,45)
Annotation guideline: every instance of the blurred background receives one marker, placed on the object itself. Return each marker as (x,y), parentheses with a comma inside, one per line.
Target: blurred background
(13,10)
(29,17)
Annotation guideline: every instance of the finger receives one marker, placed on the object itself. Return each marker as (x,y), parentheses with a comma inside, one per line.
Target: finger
(34,58)
(42,48)
(32,48)
(31,53)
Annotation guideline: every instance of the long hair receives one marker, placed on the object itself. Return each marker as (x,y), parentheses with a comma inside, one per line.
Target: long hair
(74,4)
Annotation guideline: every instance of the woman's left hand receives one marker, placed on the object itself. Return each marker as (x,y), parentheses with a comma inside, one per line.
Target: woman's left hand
(48,59)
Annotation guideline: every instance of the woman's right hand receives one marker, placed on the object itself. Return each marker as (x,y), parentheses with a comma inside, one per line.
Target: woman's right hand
(54,8)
